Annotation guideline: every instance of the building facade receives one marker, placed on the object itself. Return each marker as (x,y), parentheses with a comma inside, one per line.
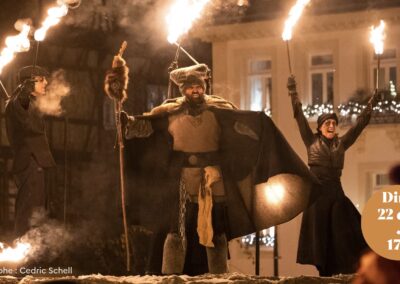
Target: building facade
(334,63)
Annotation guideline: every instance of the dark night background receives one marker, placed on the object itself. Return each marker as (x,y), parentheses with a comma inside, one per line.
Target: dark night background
(83,137)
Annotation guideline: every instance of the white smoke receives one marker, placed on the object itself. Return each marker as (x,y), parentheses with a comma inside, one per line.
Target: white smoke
(56,91)
(48,241)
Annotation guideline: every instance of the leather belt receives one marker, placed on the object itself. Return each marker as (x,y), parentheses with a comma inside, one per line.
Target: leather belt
(199,160)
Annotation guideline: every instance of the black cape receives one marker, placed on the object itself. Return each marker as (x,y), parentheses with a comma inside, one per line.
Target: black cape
(254,154)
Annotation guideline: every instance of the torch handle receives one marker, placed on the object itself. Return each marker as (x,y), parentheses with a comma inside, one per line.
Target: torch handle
(377,71)
(187,53)
(4,92)
(122,49)
(288,54)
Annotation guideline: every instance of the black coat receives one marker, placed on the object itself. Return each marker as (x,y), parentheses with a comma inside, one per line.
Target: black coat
(26,134)
(330,236)
(32,157)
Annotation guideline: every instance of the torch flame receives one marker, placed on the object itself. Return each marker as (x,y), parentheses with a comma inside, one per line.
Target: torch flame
(54,16)
(294,16)
(17,43)
(274,193)
(16,254)
(181,17)
(377,37)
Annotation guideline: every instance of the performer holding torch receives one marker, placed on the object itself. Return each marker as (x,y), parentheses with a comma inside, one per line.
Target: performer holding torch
(25,126)
(330,235)
(32,157)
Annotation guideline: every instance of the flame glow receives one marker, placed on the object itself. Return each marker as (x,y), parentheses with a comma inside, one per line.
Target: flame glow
(18,253)
(274,193)
(294,16)
(54,16)
(377,37)
(181,16)
(17,43)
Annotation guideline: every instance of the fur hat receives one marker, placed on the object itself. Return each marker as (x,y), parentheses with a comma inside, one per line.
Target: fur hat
(187,76)
(27,72)
(324,117)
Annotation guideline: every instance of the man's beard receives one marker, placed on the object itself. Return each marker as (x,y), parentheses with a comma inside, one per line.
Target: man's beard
(195,101)
(195,104)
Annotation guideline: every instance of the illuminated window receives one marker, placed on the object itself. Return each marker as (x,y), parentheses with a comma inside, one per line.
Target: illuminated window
(260,85)
(322,79)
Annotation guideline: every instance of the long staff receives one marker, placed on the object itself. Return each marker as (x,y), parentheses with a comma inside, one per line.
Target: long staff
(118,109)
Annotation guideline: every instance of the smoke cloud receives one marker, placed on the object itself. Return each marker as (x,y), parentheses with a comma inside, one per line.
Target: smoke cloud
(144,20)
(48,239)
(57,90)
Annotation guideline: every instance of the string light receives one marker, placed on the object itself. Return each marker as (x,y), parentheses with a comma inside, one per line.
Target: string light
(383,107)
(312,110)
(392,89)
(352,108)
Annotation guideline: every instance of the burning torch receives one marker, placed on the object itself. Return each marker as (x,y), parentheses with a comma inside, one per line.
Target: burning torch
(377,37)
(14,44)
(294,15)
(115,87)
(54,15)
(179,20)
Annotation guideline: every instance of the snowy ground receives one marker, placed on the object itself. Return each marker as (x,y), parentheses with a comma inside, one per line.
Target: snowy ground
(174,279)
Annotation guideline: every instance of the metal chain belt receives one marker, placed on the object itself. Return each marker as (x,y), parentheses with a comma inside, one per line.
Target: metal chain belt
(182,209)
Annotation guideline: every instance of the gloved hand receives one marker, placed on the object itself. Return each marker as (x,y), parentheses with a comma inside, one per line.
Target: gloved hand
(291,84)
(124,119)
(373,101)
(26,89)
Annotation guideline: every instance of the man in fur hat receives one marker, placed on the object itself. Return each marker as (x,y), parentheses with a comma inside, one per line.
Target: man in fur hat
(194,163)
(32,157)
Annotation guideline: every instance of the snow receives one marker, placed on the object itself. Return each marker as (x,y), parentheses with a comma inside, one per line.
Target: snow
(178,279)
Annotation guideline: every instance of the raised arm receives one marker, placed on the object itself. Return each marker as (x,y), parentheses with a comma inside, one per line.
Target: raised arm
(305,130)
(362,121)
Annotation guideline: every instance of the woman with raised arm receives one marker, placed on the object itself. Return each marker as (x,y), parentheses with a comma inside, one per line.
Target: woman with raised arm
(330,236)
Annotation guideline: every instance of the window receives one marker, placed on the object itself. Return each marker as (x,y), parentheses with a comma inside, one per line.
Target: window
(321,77)
(387,69)
(260,85)
(380,180)
(267,239)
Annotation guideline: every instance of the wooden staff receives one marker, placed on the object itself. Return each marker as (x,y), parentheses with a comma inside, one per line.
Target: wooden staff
(119,62)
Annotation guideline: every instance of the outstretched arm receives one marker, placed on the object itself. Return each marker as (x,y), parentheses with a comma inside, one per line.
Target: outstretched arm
(362,121)
(135,128)
(305,130)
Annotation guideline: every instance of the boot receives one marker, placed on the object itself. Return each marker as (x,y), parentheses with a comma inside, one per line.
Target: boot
(217,256)
(173,255)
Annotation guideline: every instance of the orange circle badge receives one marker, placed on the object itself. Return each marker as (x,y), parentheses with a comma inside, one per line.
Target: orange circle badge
(380,222)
